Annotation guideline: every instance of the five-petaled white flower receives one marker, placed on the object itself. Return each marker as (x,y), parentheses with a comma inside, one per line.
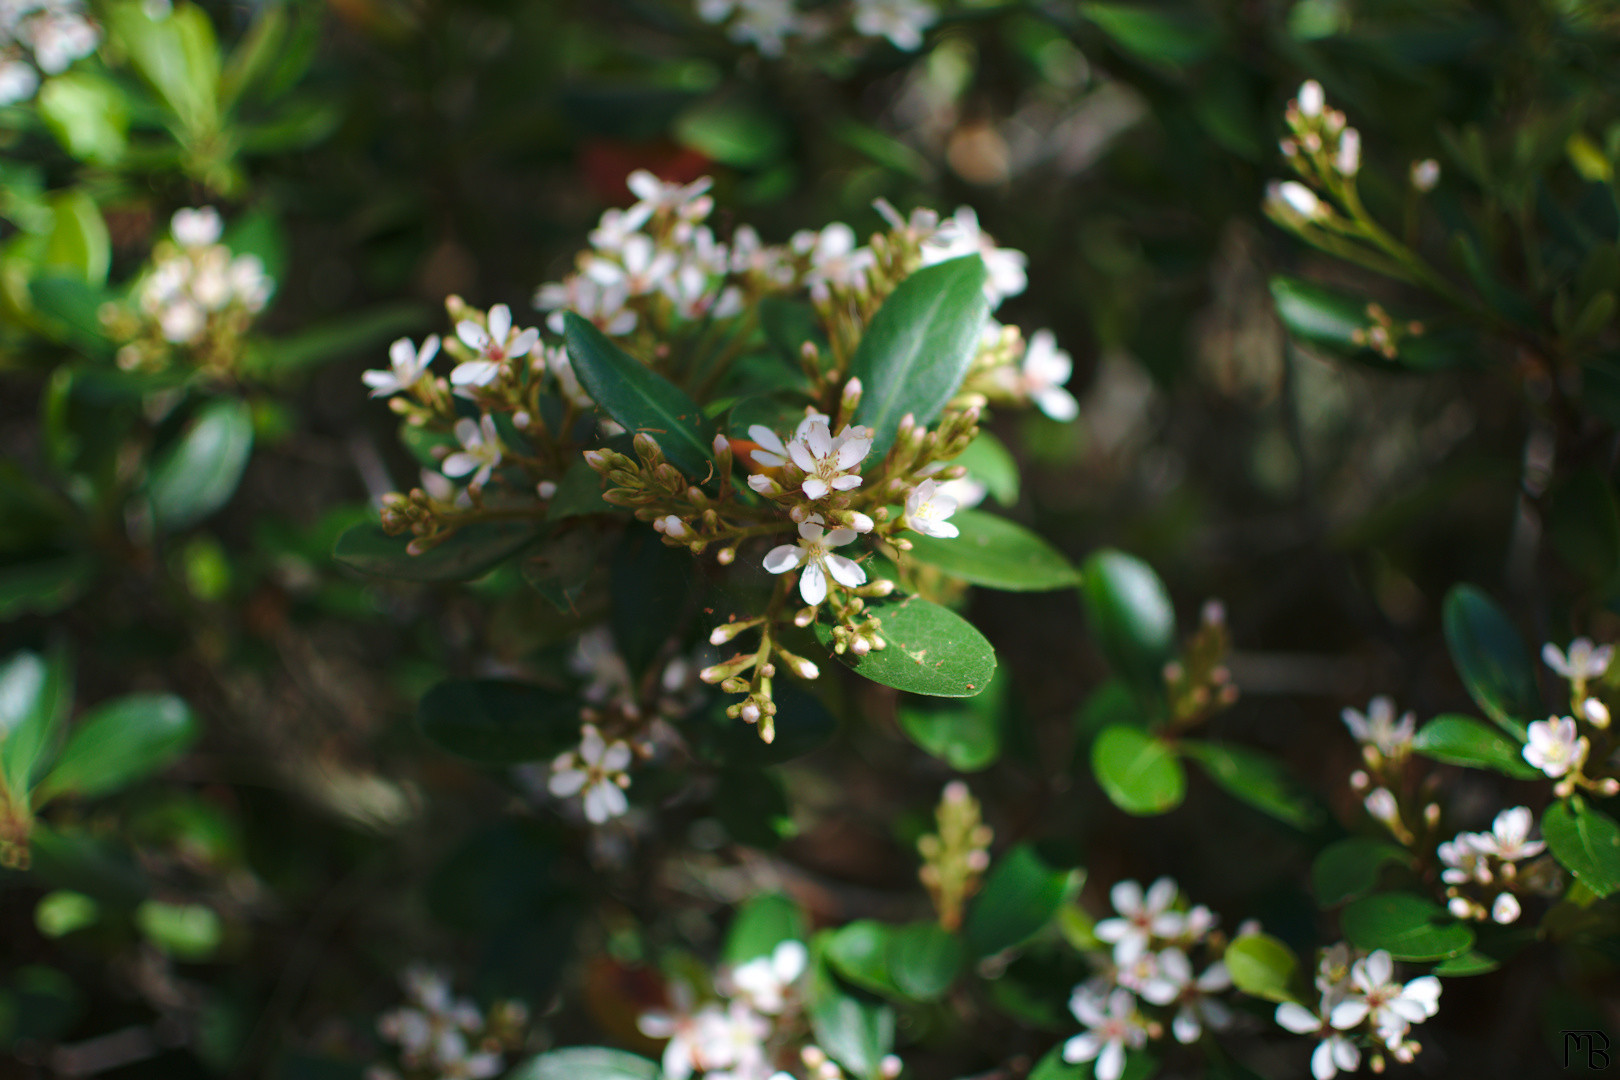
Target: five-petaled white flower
(813,552)
(1391,1007)
(688,201)
(1509,838)
(197,227)
(1334,1052)
(766,981)
(960,235)
(495,345)
(1109,1032)
(927,507)
(834,259)
(1555,746)
(481,450)
(828,461)
(1379,728)
(407,366)
(598,769)
(1045,370)
(1583,660)
(1142,918)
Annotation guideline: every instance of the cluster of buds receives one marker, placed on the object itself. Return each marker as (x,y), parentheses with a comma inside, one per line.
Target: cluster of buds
(1326,154)
(956,856)
(1361,1005)
(1564,747)
(1383,333)
(196,300)
(1483,871)
(439,1036)
(1199,683)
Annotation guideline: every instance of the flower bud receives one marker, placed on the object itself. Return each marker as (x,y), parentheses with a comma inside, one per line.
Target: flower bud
(596,460)
(1505,909)
(727,631)
(546,488)
(851,397)
(1311,99)
(1381,805)
(1595,712)
(725,556)
(1425,174)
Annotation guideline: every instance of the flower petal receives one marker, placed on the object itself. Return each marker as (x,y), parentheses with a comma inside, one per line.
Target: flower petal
(846,572)
(781,559)
(813,584)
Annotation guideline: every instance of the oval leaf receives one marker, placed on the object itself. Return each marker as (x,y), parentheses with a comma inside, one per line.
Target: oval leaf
(1019,898)
(640,399)
(996,553)
(1407,927)
(1139,773)
(1491,658)
(35,694)
(1459,740)
(1586,842)
(471,552)
(1262,966)
(1130,616)
(763,924)
(856,1034)
(965,735)
(1350,868)
(1258,780)
(916,351)
(197,473)
(859,951)
(931,650)
(499,723)
(121,741)
(924,960)
(586,1063)
(989,462)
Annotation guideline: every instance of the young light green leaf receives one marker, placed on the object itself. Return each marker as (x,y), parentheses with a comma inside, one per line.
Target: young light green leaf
(183,931)
(1262,966)
(1257,779)
(1019,899)
(78,241)
(1586,842)
(1350,868)
(640,399)
(1461,740)
(87,114)
(35,695)
(175,53)
(499,723)
(118,742)
(586,1063)
(471,552)
(198,472)
(1469,963)
(1491,658)
(931,650)
(1138,773)
(996,553)
(916,351)
(1407,927)
(1131,618)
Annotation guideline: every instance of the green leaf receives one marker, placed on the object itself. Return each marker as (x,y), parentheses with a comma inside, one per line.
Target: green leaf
(733,132)
(1258,780)
(87,114)
(1319,316)
(63,911)
(930,650)
(78,241)
(640,399)
(44,586)
(1408,927)
(579,493)
(1350,868)
(1461,740)
(184,931)
(499,723)
(586,1063)
(966,735)
(988,461)
(175,53)
(753,807)
(118,742)
(859,951)
(924,960)
(761,925)
(197,473)
(1131,618)
(1155,34)
(1584,526)
(1139,774)
(1262,966)
(560,566)
(857,1034)
(917,348)
(788,325)
(471,552)
(1491,658)
(996,553)
(650,588)
(1586,842)
(356,332)
(1053,1067)
(1469,963)
(1019,899)
(35,695)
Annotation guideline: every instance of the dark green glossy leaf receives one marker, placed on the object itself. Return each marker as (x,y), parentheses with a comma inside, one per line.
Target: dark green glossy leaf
(931,650)
(35,695)
(1407,927)
(499,723)
(855,1033)
(1584,526)
(497,879)
(586,1063)
(1258,780)
(1131,618)
(121,741)
(1350,868)
(1139,774)
(579,492)
(197,473)
(1460,740)
(917,348)
(640,399)
(966,735)
(788,325)
(1019,898)
(1469,963)
(99,867)
(1153,33)
(1262,966)
(761,925)
(859,952)
(988,461)
(1586,842)
(651,586)
(753,807)
(1491,658)
(924,960)
(471,552)
(996,553)
(560,566)
(44,586)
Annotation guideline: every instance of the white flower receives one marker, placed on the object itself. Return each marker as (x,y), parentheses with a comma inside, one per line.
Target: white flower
(765,24)
(590,299)
(1157,978)
(196,228)
(495,345)
(1109,1033)
(481,450)
(1045,370)
(60,37)
(725,1043)
(1199,1008)
(641,267)
(1556,746)
(1334,1052)
(598,769)
(1583,661)
(182,322)
(562,369)
(765,982)
(1379,728)
(901,21)
(1463,860)
(1389,1006)
(687,202)
(834,259)
(1381,806)
(1509,838)
(18,81)
(1505,909)
(407,366)
(1141,918)
(813,553)
(960,235)
(927,507)
(828,461)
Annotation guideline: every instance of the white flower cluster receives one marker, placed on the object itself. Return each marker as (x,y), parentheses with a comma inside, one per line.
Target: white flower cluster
(1556,745)
(1152,938)
(768,24)
(54,33)
(1486,863)
(1360,997)
(1384,738)
(442,1036)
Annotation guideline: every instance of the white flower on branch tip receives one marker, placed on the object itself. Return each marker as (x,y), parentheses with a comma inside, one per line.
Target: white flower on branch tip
(1334,1052)
(481,450)
(813,552)
(766,981)
(1142,918)
(1425,174)
(1379,728)
(589,299)
(641,267)
(834,259)
(709,1040)
(927,507)
(495,345)
(828,461)
(686,201)
(197,227)
(407,365)
(1509,838)
(596,768)
(1045,370)
(1109,1033)
(1583,660)
(1556,746)
(960,235)
(1391,1007)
